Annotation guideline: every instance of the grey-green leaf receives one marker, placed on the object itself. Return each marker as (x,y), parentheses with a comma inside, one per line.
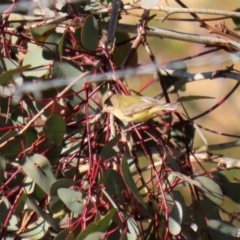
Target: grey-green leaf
(72,199)
(56,205)
(36,230)
(8,76)
(35,59)
(41,175)
(100,226)
(222,226)
(210,189)
(89,34)
(175,219)
(54,129)
(129,180)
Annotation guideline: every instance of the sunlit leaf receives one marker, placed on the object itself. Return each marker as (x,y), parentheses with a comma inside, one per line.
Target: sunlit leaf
(210,189)
(42,32)
(175,219)
(36,230)
(72,199)
(222,227)
(56,205)
(8,76)
(41,175)
(133,231)
(35,59)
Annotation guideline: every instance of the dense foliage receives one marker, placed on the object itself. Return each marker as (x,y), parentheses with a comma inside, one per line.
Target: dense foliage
(69,171)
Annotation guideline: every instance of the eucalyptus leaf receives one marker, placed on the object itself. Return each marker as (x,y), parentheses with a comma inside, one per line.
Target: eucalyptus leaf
(54,129)
(210,189)
(129,180)
(175,219)
(54,46)
(5,208)
(41,33)
(133,231)
(100,226)
(41,175)
(2,169)
(31,202)
(66,234)
(56,205)
(193,97)
(90,34)
(222,227)
(110,149)
(35,59)
(36,230)
(9,75)
(72,199)
(114,185)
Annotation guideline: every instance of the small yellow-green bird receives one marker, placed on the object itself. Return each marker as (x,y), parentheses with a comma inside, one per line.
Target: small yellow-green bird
(134,108)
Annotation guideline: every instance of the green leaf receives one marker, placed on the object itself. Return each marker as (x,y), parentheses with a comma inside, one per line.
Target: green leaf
(28,185)
(90,34)
(7,77)
(54,129)
(36,230)
(72,199)
(210,189)
(65,234)
(56,205)
(192,98)
(175,219)
(41,175)
(30,136)
(100,226)
(35,59)
(236,20)
(32,203)
(61,183)
(122,50)
(66,69)
(16,146)
(41,33)
(53,46)
(222,227)
(114,185)
(111,148)
(129,180)
(2,169)
(5,208)
(133,231)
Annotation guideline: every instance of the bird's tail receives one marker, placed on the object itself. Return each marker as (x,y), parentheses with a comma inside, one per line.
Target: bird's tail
(171,106)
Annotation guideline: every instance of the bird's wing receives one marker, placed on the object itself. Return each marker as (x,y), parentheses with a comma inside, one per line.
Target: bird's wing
(137,108)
